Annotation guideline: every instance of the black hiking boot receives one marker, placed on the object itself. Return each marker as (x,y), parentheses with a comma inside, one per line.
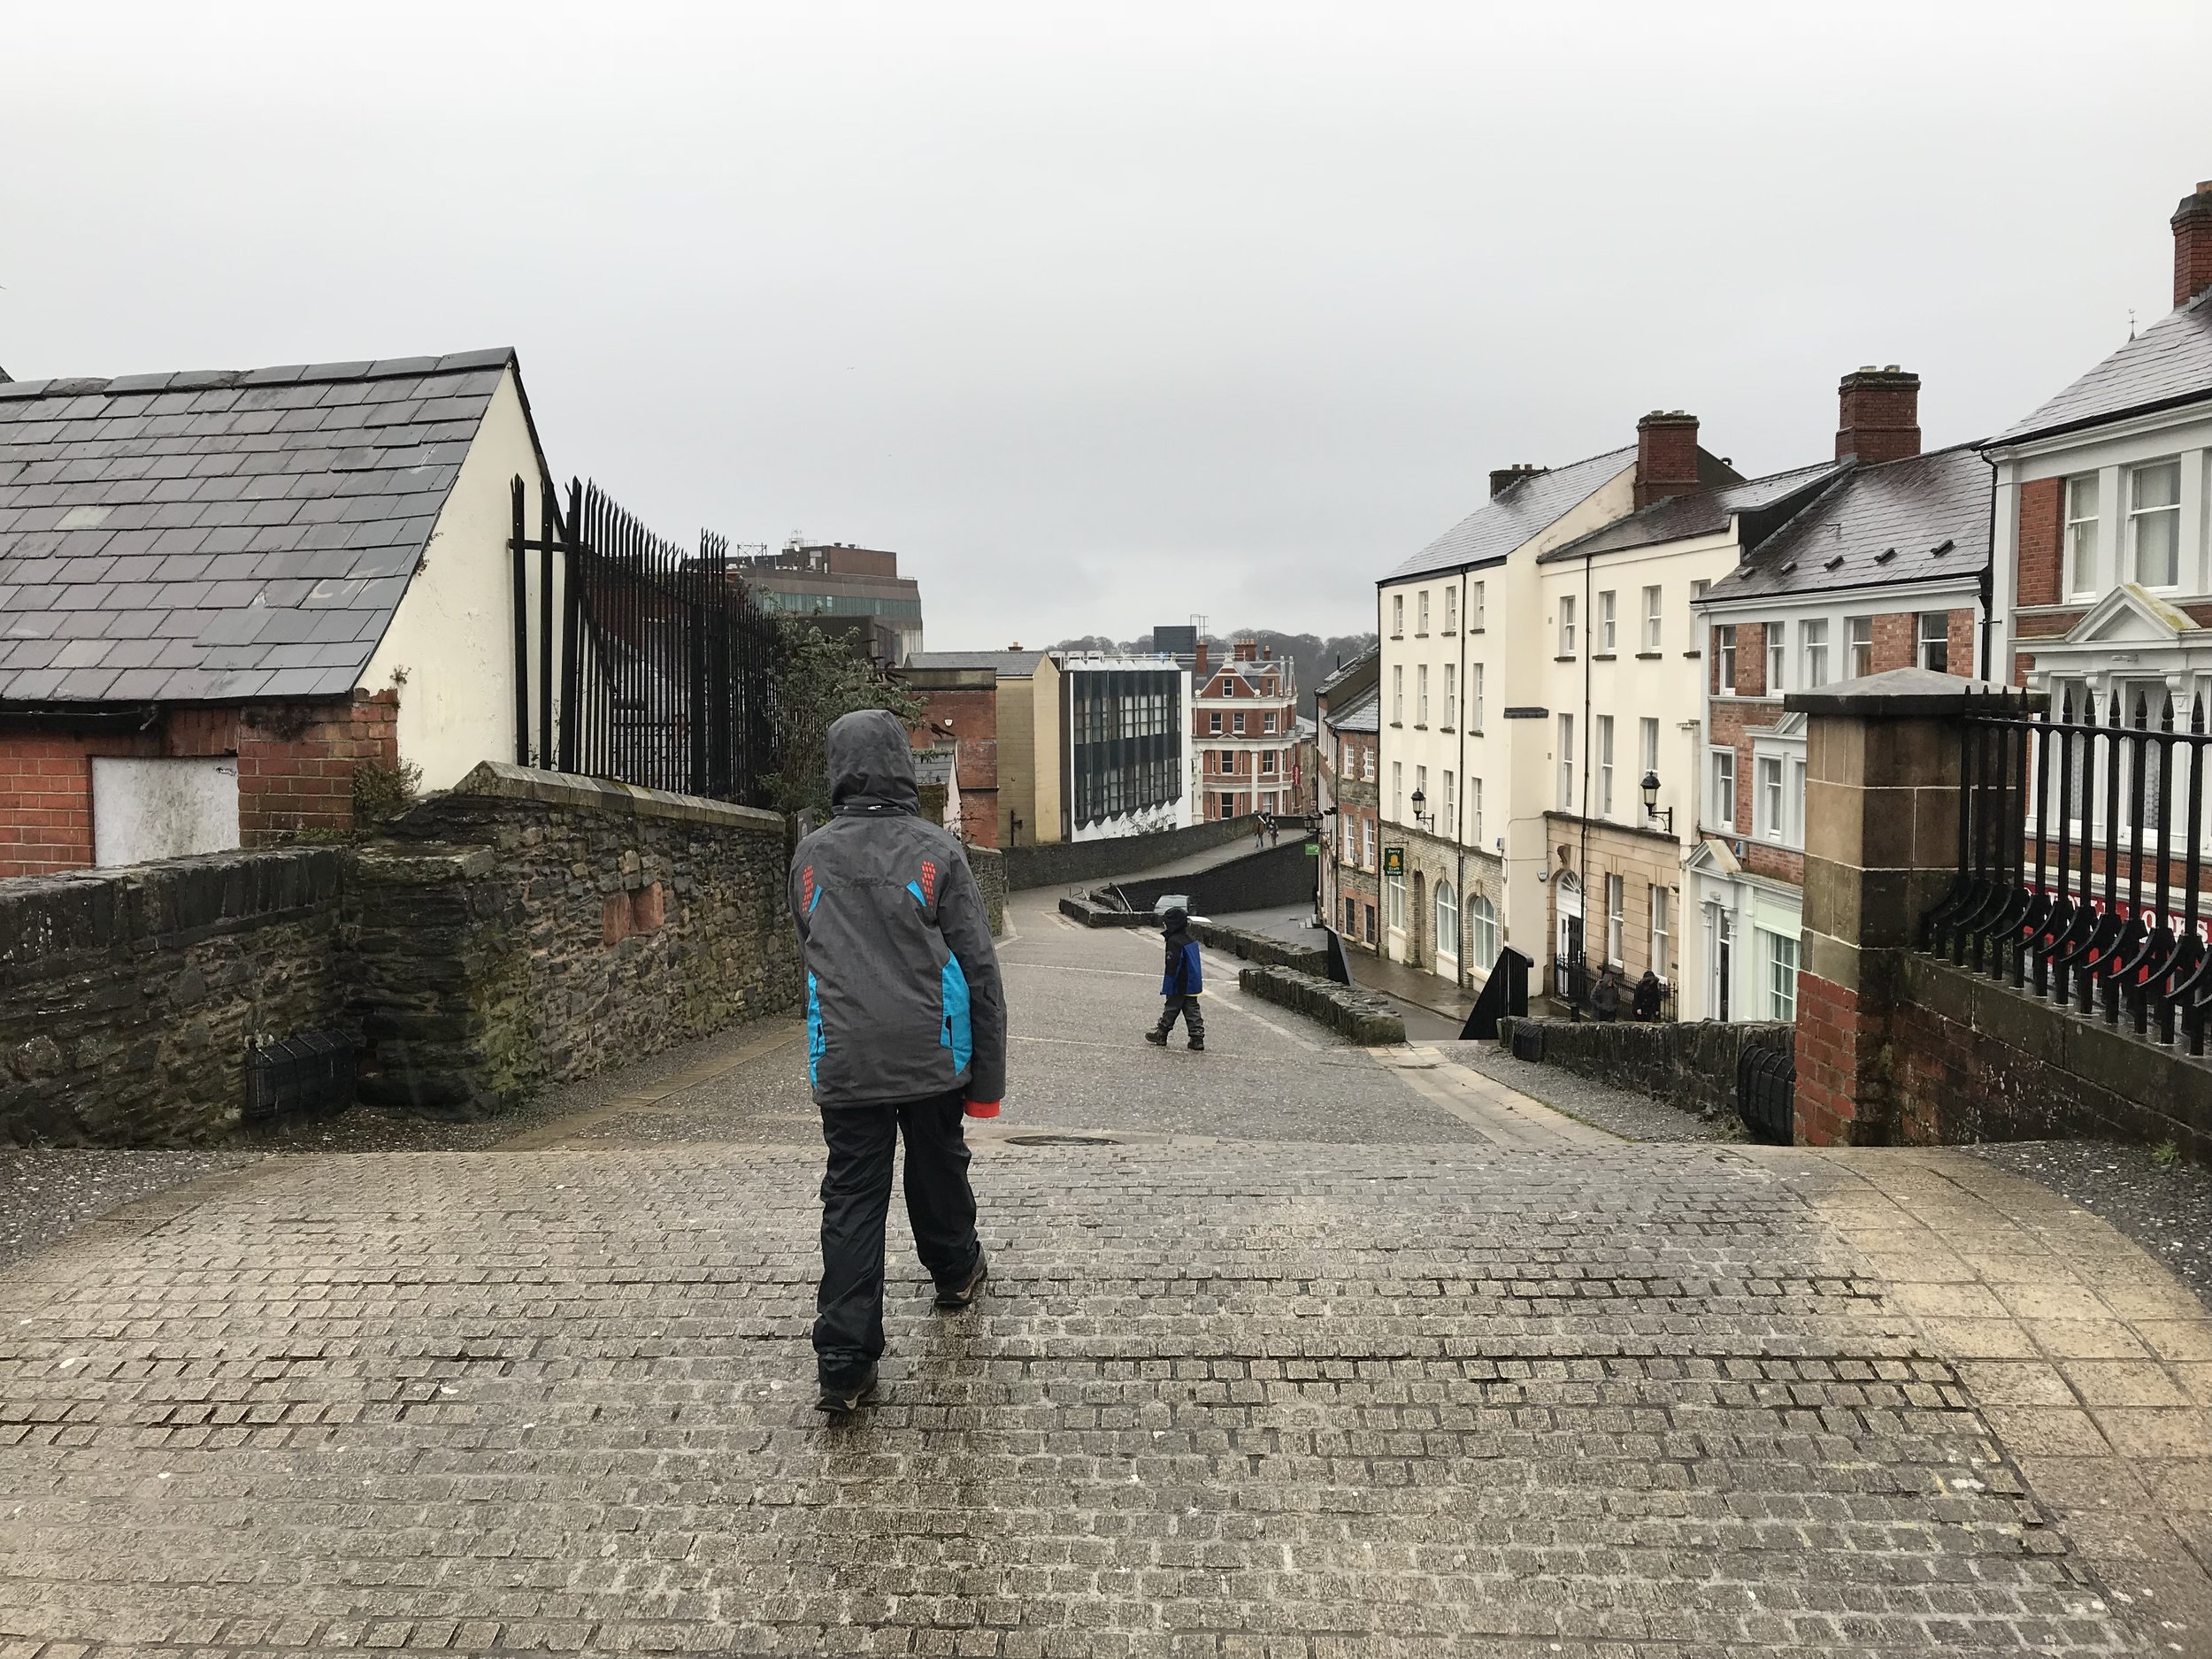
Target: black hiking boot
(841,1400)
(1197,1048)
(964,1294)
(1157,1039)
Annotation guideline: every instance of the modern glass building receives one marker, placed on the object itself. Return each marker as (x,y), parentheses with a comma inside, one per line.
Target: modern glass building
(1125,745)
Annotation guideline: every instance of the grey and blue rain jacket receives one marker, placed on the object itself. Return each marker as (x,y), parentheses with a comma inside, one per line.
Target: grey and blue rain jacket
(902,993)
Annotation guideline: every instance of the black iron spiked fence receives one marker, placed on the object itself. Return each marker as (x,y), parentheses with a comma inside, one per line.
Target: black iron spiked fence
(667,668)
(1573,981)
(2080,857)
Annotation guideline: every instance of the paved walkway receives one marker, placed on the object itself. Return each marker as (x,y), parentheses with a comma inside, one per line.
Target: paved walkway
(1291,1349)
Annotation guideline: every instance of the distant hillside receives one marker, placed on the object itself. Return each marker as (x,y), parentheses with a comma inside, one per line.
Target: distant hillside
(1313,659)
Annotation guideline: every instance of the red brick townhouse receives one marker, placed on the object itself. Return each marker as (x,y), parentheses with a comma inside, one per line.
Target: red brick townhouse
(2104,549)
(221,593)
(1244,715)
(1885,569)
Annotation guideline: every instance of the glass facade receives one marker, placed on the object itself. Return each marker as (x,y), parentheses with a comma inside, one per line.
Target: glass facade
(1125,737)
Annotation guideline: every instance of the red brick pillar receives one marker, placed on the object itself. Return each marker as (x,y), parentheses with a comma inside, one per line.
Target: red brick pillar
(1881,849)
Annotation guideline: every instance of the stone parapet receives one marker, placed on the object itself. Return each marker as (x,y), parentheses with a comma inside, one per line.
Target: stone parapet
(1366,1018)
(1691,1064)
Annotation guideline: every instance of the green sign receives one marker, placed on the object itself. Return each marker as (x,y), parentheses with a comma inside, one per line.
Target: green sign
(1393,861)
(1313,850)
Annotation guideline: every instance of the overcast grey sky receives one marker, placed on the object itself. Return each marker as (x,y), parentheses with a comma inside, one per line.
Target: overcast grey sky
(1102,315)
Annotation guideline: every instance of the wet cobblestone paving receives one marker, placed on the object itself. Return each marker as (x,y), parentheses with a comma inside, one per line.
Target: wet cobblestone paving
(1296,1400)
(1380,1359)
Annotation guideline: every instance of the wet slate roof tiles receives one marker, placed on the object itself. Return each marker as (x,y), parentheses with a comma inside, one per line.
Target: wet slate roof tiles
(222,535)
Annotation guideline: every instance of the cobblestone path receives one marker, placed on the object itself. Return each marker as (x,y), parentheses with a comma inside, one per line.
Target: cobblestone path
(1289,1350)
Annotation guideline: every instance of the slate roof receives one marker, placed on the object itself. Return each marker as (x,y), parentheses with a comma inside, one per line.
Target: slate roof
(2169,363)
(1700,512)
(1524,509)
(1364,713)
(221,534)
(1007,665)
(1340,675)
(1922,518)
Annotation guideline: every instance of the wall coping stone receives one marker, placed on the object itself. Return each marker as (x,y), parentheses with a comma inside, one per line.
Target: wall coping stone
(412,864)
(504,780)
(1907,694)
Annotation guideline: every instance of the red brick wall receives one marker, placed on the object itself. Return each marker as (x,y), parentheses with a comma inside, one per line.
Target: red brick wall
(296,765)
(973,715)
(1893,640)
(1831,1074)
(2040,579)
(1751,658)
(1959,643)
(1733,724)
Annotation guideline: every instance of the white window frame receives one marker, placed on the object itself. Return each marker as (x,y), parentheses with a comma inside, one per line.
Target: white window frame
(1421,614)
(1444,915)
(1566,624)
(1647,746)
(1213,724)
(1451,806)
(1474,810)
(2083,492)
(1616,918)
(1605,765)
(1397,792)
(1724,649)
(2140,515)
(1813,646)
(1451,695)
(1922,639)
(1781,954)
(1654,614)
(1397,693)
(1778,657)
(1474,608)
(1267,725)
(1367,763)
(1659,899)
(1853,645)
(1367,843)
(1721,802)
(1421,695)
(1451,609)
(1397,616)
(1607,623)
(1482,925)
(1566,763)
(1474,696)
(1769,799)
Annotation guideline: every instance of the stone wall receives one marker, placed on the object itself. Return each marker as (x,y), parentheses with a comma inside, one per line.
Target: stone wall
(1688,1064)
(127,996)
(1282,874)
(522,929)
(1366,1018)
(590,923)
(989,865)
(1249,947)
(1072,864)
(1970,1059)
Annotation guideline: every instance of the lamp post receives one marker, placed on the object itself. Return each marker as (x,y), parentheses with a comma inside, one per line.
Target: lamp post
(1420,800)
(1653,812)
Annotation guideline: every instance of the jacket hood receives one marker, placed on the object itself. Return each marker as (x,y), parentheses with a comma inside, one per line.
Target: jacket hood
(1173,921)
(870,764)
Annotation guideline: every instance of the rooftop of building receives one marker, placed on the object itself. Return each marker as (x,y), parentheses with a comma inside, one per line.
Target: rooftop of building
(1363,713)
(1008,665)
(221,534)
(2168,365)
(1922,519)
(1700,512)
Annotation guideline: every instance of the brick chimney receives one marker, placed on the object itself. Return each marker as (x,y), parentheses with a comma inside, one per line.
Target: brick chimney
(2193,244)
(1878,414)
(1199,672)
(1504,477)
(1666,455)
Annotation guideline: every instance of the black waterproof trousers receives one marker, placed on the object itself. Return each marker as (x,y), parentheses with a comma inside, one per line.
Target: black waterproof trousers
(855,1199)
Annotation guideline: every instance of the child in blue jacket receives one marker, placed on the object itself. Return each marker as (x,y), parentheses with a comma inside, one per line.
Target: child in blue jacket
(1181,984)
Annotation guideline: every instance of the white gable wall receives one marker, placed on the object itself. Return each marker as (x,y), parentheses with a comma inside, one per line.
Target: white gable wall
(450,646)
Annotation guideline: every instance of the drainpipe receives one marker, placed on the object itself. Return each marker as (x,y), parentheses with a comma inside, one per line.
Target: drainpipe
(1459,807)
(1582,874)
(1988,586)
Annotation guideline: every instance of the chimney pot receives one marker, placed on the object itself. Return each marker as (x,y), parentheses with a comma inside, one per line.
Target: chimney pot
(1666,455)
(1879,415)
(2193,244)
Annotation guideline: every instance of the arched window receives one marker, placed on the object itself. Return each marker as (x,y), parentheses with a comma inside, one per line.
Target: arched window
(1482,918)
(1447,927)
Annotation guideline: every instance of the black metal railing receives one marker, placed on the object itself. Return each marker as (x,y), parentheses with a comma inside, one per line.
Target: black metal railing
(2080,857)
(1574,982)
(667,667)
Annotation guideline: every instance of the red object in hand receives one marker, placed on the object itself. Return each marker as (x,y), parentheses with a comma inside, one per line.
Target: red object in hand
(982,1109)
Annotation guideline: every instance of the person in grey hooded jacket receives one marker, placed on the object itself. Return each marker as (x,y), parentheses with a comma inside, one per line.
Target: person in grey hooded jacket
(906,1032)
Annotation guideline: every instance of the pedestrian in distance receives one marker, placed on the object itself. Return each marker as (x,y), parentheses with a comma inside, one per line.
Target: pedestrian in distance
(1183,983)
(906,1035)
(1605,1000)
(1274,830)
(1649,991)
(1259,833)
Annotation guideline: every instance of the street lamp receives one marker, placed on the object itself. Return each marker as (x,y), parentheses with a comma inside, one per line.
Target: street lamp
(1652,810)
(1420,800)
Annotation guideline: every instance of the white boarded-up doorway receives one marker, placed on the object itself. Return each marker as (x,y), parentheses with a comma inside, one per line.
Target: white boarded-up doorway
(144,809)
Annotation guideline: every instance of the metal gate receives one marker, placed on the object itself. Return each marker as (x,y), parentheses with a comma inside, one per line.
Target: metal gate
(651,665)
